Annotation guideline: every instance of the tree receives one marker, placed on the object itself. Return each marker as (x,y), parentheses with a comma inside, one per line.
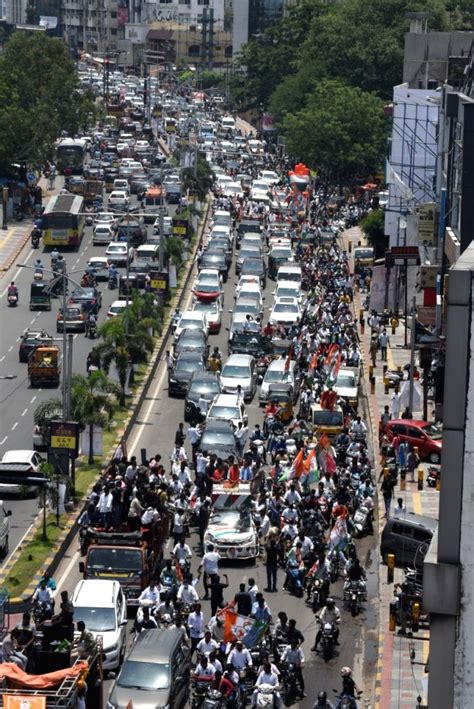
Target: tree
(199,183)
(46,412)
(373,226)
(114,350)
(39,98)
(91,403)
(340,131)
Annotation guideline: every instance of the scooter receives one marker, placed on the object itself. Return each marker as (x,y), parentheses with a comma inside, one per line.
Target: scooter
(12,299)
(113,282)
(92,330)
(35,238)
(432,477)
(362,522)
(294,582)
(266,696)
(38,274)
(355,592)
(328,640)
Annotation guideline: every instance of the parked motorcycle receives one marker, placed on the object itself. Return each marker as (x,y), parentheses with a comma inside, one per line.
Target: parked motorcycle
(433,475)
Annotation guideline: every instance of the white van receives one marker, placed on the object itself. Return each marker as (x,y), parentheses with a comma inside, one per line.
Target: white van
(276,374)
(103,608)
(228,123)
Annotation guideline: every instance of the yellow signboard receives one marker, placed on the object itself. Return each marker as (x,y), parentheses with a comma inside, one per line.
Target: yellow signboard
(158,284)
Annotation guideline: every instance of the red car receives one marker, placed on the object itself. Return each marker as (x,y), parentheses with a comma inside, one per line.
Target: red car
(425,436)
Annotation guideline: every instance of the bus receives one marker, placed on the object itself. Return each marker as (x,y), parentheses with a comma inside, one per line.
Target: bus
(70,154)
(63,220)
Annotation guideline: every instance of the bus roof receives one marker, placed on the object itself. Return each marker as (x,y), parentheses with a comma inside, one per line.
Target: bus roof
(69,142)
(64,203)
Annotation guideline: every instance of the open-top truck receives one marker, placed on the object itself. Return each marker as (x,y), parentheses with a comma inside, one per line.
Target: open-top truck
(44,368)
(130,557)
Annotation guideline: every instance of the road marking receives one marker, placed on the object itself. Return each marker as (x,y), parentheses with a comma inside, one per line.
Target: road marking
(32,321)
(64,577)
(417,507)
(2,358)
(14,425)
(25,534)
(33,399)
(3,440)
(24,412)
(15,277)
(10,348)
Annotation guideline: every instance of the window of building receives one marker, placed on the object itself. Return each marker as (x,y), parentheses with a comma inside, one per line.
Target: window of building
(193,50)
(203,2)
(113,15)
(113,30)
(185,2)
(228,52)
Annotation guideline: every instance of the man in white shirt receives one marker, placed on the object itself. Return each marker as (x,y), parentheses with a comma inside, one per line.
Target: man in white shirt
(210,566)
(151,593)
(292,496)
(241,438)
(132,470)
(187,594)
(253,589)
(207,644)
(358,427)
(43,594)
(181,552)
(239,657)
(196,626)
(178,525)
(269,677)
(104,505)
(293,654)
(204,670)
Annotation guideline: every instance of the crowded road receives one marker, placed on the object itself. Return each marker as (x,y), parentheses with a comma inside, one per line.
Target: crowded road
(154,431)
(18,400)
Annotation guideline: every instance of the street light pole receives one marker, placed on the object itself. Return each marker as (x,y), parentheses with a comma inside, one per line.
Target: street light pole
(162,224)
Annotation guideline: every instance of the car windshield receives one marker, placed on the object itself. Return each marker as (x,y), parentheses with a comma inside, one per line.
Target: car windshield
(114,558)
(286,308)
(207,286)
(116,248)
(248,252)
(276,375)
(206,308)
(97,620)
(235,371)
(217,438)
(363,253)
(187,365)
(433,431)
(251,308)
(281,253)
(147,676)
(345,380)
(252,266)
(232,519)
(224,412)
(185,323)
(206,388)
(327,418)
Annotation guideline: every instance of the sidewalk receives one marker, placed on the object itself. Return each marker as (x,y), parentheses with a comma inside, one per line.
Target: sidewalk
(399,680)
(14,238)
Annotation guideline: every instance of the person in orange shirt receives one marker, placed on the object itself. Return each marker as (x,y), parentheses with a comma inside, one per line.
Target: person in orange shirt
(233,475)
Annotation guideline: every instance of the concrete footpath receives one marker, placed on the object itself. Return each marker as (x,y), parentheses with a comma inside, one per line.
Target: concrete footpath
(400,676)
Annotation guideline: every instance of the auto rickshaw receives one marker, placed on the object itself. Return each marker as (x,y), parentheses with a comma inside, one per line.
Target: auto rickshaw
(279,348)
(128,285)
(40,296)
(279,405)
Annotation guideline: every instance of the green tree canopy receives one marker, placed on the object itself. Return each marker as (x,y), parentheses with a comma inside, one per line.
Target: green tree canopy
(92,403)
(39,98)
(340,131)
(373,226)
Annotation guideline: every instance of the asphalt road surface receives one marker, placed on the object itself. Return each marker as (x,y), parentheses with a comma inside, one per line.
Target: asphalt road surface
(18,400)
(154,431)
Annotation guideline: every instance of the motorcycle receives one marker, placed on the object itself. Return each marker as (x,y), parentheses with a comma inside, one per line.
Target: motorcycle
(328,640)
(362,522)
(213,699)
(42,611)
(262,365)
(35,238)
(432,477)
(113,282)
(260,447)
(266,696)
(12,299)
(290,683)
(92,330)
(291,447)
(38,274)
(355,592)
(294,582)
(318,592)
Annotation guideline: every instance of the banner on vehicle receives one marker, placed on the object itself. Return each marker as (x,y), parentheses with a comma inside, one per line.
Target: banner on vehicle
(23,702)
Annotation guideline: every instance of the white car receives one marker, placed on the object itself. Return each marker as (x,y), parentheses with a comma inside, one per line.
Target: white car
(121,185)
(193,320)
(101,604)
(231,528)
(141,146)
(288,289)
(119,200)
(101,266)
(269,176)
(286,311)
(213,312)
(104,218)
(117,307)
(102,234)
(249,287)
(228,408)
(278,372)
(239,370)
(117,252)
(346,386)
(29,461)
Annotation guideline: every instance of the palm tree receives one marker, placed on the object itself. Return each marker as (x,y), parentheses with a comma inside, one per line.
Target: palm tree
(115,350)
(46,412)
(91,402)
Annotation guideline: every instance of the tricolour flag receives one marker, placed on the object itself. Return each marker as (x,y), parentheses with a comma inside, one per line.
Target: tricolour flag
(241,627)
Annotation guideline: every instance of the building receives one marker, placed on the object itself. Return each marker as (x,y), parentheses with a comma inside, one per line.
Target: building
(251,17)
(181,11)
(13,11)
(94,25)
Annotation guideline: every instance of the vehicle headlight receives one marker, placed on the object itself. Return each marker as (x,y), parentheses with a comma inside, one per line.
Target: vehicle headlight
(173,381)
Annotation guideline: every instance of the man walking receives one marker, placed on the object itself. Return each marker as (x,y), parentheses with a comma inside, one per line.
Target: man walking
(271,563)
(384,342)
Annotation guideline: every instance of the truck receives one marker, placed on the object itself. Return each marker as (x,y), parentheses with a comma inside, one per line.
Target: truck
(44,368)
(231,528)
(130,557)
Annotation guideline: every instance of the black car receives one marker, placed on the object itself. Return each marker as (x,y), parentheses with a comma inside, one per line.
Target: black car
(89,298)
(194,340)
(30,340)
(139,183)
(214,260)
(246,251)
(255,267)
(248,226)
(252,343)
(203,384)
(179,377)
(219,438)
(139,268)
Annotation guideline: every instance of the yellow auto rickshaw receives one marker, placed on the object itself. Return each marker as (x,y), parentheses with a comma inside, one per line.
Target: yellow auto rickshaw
(279,405)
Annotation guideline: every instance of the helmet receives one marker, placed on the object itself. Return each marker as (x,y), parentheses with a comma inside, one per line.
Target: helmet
(346,672)
(330,603)
(322,697)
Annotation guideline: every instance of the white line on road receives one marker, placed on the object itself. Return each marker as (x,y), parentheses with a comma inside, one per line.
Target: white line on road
(23,537)
(32,321)
(3,440)
(14,425)
(64,576)
(2,358)
(24,412)
(33,399)
(10,348)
